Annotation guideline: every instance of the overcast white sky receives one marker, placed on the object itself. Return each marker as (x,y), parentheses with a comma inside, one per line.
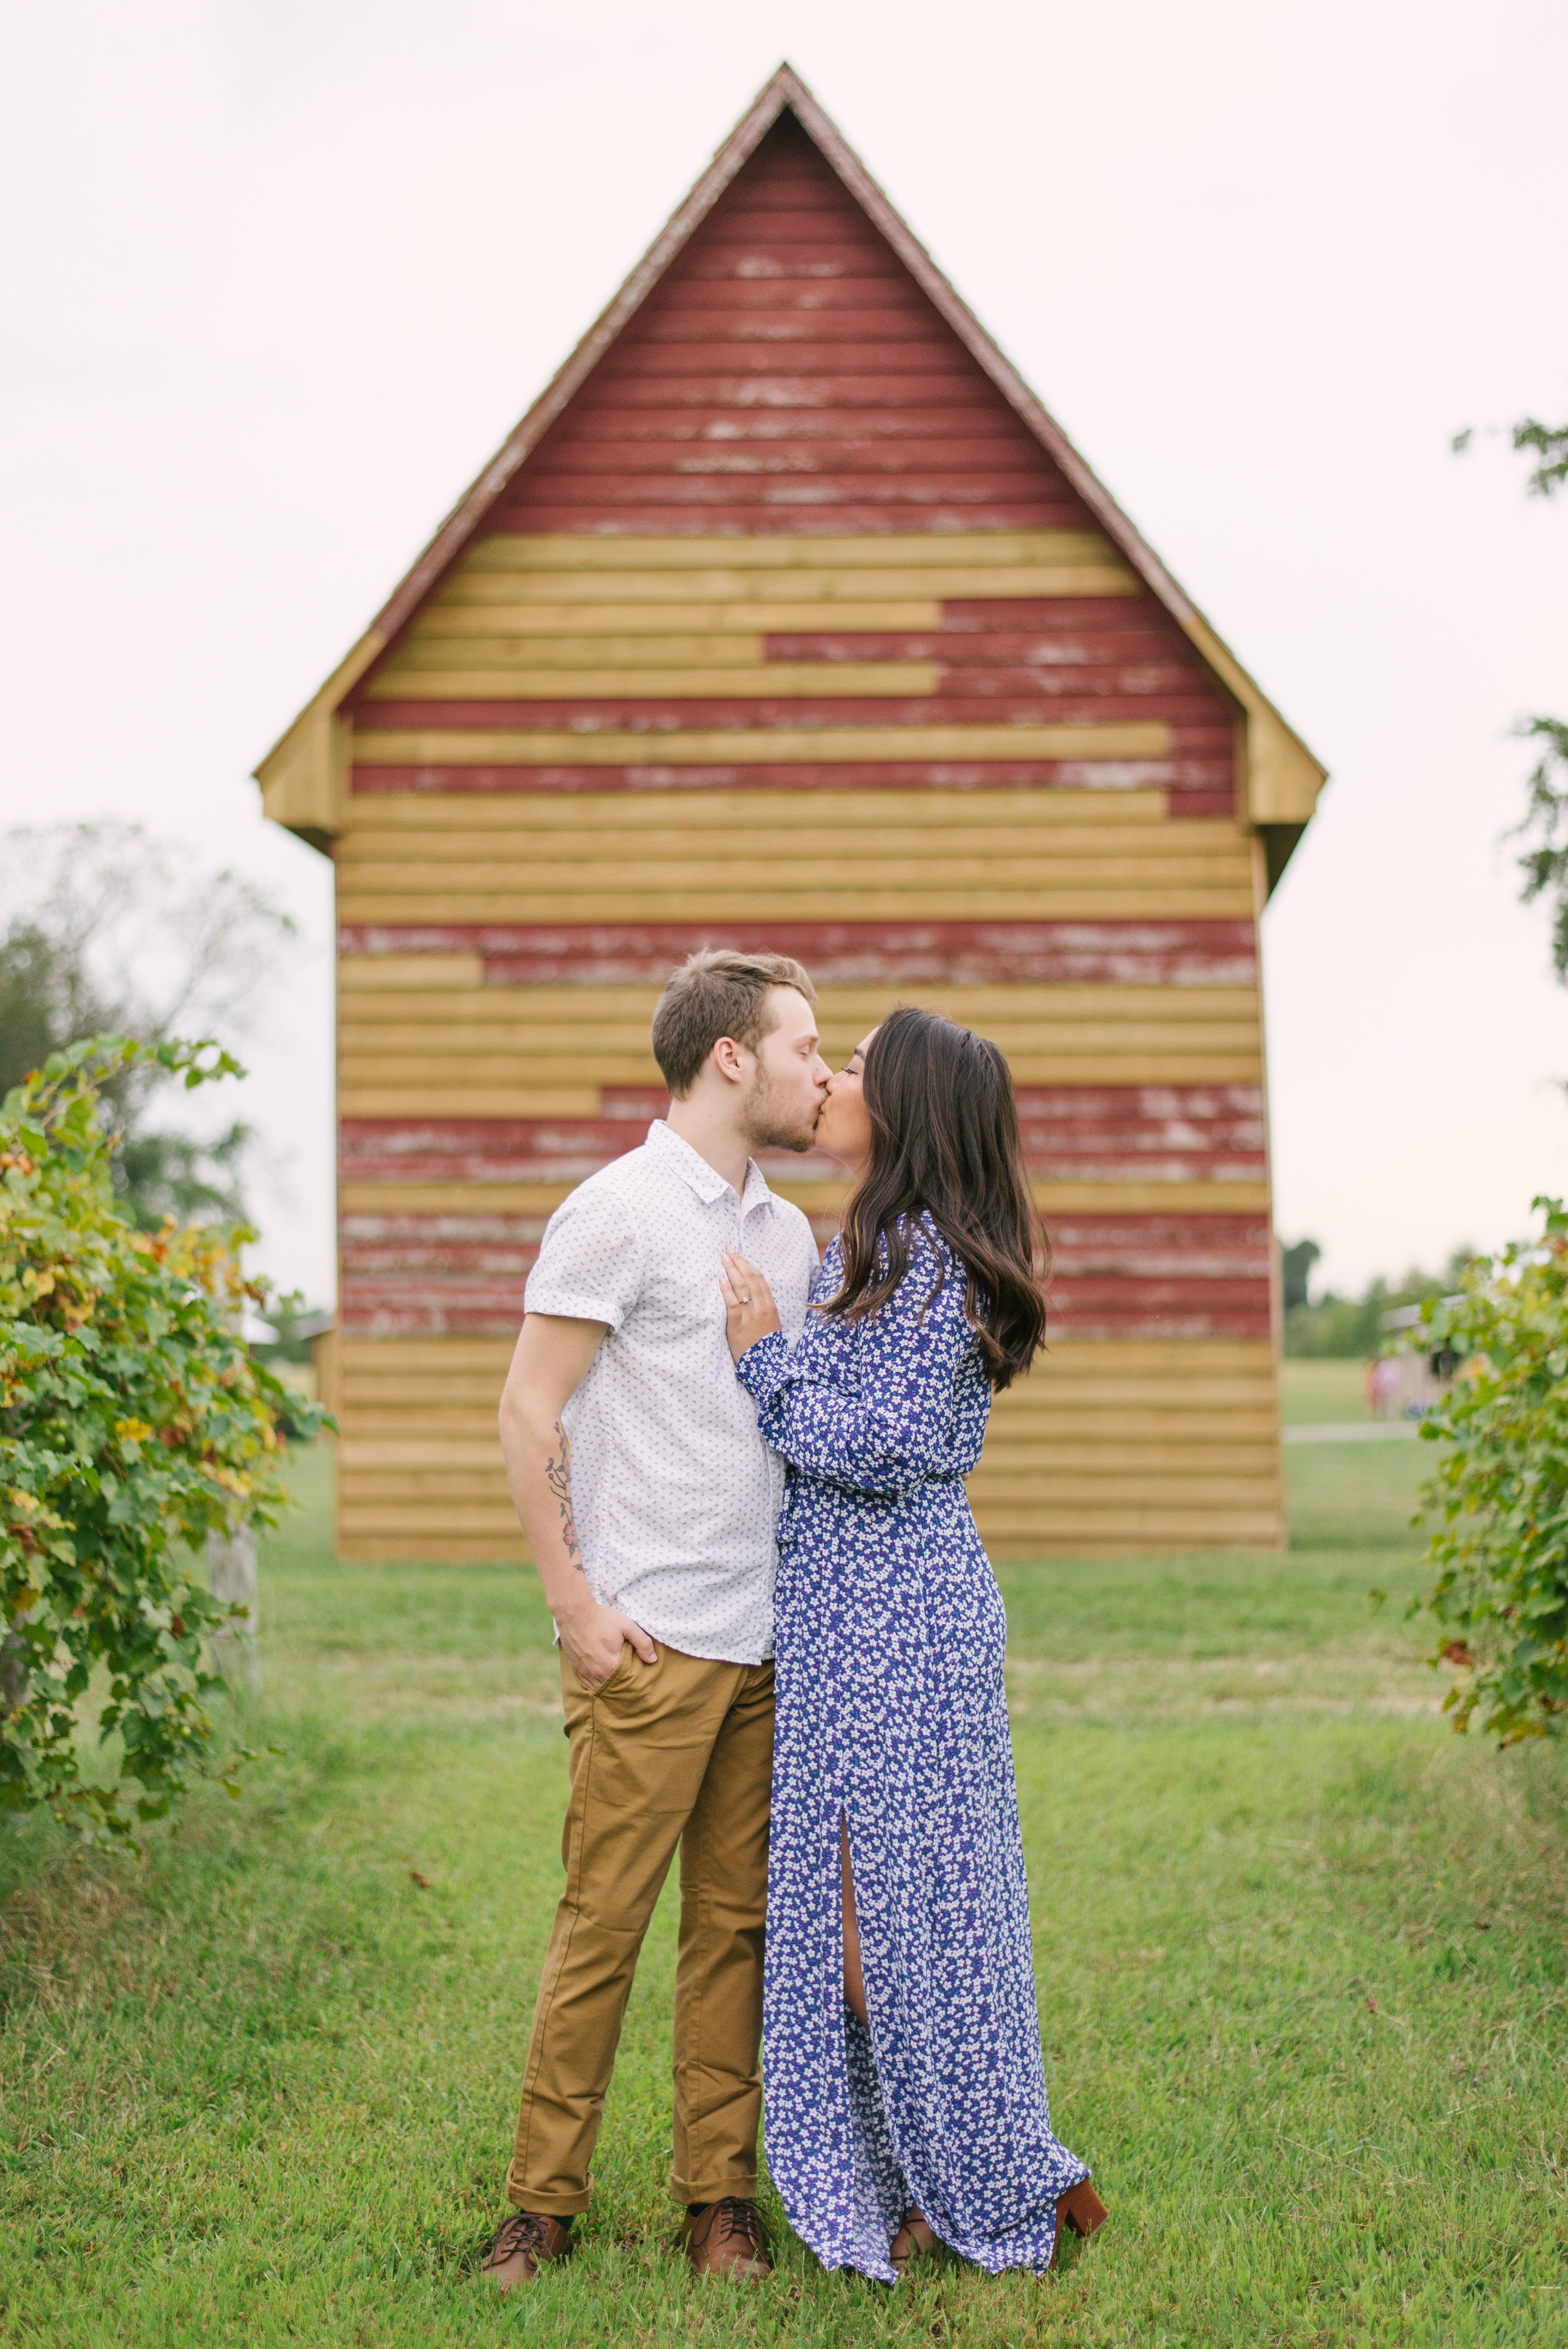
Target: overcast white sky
(280,273)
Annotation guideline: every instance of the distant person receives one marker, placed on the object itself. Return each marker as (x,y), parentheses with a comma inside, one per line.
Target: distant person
(650,1501)
(906,2090)
(1383,1384)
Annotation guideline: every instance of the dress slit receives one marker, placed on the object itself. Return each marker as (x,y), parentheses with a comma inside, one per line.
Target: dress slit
(848,1906)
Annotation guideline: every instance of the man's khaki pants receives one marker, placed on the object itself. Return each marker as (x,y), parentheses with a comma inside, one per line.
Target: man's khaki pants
(680,1750)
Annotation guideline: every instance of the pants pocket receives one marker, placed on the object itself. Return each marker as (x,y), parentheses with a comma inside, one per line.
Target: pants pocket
(618,1670)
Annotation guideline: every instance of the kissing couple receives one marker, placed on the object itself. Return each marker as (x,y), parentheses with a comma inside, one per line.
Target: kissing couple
(741,1473)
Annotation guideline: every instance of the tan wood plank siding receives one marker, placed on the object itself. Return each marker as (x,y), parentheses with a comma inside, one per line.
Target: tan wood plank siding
(1109,1444)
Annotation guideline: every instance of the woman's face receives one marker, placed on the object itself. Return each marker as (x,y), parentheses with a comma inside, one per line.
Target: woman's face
(844,1127)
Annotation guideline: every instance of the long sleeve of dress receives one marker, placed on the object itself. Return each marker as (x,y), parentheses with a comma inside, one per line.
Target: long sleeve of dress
(876,1418)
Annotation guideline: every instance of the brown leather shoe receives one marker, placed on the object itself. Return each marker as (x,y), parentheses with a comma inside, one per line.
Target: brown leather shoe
(726,2239)
(526,2242)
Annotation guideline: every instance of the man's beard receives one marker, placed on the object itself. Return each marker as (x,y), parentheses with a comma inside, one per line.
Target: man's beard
(772,1124)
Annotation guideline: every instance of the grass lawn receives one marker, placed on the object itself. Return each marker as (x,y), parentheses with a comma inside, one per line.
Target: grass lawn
(1300,1959)
(1332,1390)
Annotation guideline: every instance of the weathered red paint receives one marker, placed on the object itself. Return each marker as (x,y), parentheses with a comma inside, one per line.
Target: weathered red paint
(1001,660)
(490,1149)
(697,446)
(1130,1275)
(786,373)
(1127,1275)
(843,954)
(749,239)
(782,386)
(786,297)
(789,301)
(1032,702)
(1144,1134)
(1071,1133)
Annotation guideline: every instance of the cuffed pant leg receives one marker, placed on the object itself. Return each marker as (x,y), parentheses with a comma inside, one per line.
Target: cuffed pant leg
(718,1982)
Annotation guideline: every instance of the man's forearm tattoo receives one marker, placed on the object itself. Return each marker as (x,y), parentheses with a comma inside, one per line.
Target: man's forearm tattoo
(558,1477)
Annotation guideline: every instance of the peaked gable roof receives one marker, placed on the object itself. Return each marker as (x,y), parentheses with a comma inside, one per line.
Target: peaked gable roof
(304,778)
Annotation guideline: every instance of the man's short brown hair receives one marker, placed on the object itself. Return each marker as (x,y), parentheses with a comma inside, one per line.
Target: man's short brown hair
(717,991)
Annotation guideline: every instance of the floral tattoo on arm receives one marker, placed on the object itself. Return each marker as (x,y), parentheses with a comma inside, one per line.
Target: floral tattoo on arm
(558,1477)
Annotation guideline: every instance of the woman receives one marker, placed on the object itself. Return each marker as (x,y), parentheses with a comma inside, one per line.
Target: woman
(905,2090)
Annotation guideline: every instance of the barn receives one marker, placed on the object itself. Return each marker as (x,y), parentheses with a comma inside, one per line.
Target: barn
(789,618)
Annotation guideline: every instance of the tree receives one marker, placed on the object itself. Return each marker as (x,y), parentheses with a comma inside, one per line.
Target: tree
(107,930)
(1502,1488)
(1545,864)
(1549,443)
(1295,1270)
(133,1424)
(1350,1328)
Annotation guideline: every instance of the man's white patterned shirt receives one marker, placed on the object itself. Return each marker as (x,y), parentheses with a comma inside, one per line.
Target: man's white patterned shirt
(676,1495)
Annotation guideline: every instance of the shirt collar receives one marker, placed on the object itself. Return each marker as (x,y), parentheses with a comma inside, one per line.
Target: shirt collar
(694,1169)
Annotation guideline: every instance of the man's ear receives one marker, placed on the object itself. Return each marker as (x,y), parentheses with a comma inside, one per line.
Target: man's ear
(731,1060)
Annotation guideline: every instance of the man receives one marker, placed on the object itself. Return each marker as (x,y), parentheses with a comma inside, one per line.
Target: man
(650,1503)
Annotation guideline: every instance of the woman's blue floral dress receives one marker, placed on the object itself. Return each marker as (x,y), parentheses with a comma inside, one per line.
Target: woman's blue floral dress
(890,1634)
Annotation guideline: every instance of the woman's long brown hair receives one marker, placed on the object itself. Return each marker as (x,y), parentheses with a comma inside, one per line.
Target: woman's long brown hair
(946,1143)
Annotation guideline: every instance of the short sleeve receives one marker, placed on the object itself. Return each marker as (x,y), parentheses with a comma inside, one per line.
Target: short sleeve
(589,1266)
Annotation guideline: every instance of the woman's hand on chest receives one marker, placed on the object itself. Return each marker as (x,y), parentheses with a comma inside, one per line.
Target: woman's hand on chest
(749,1312)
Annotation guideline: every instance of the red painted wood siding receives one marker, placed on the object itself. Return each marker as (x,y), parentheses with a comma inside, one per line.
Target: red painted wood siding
(1114,1275)
(1136,1275)
(787,376)
(844,954)
(1071,1133)
(1197,773)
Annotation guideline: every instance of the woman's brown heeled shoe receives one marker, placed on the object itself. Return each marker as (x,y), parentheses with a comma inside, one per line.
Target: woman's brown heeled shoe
(1080,2208)
(914,2240)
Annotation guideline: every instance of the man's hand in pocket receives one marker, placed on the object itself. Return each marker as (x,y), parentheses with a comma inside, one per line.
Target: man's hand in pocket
(591,1638)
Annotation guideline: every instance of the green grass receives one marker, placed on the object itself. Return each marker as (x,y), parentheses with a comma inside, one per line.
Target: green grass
(1301,1960)
(1333,1390)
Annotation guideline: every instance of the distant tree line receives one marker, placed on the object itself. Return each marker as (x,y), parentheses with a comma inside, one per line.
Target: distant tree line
(1350,1328)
